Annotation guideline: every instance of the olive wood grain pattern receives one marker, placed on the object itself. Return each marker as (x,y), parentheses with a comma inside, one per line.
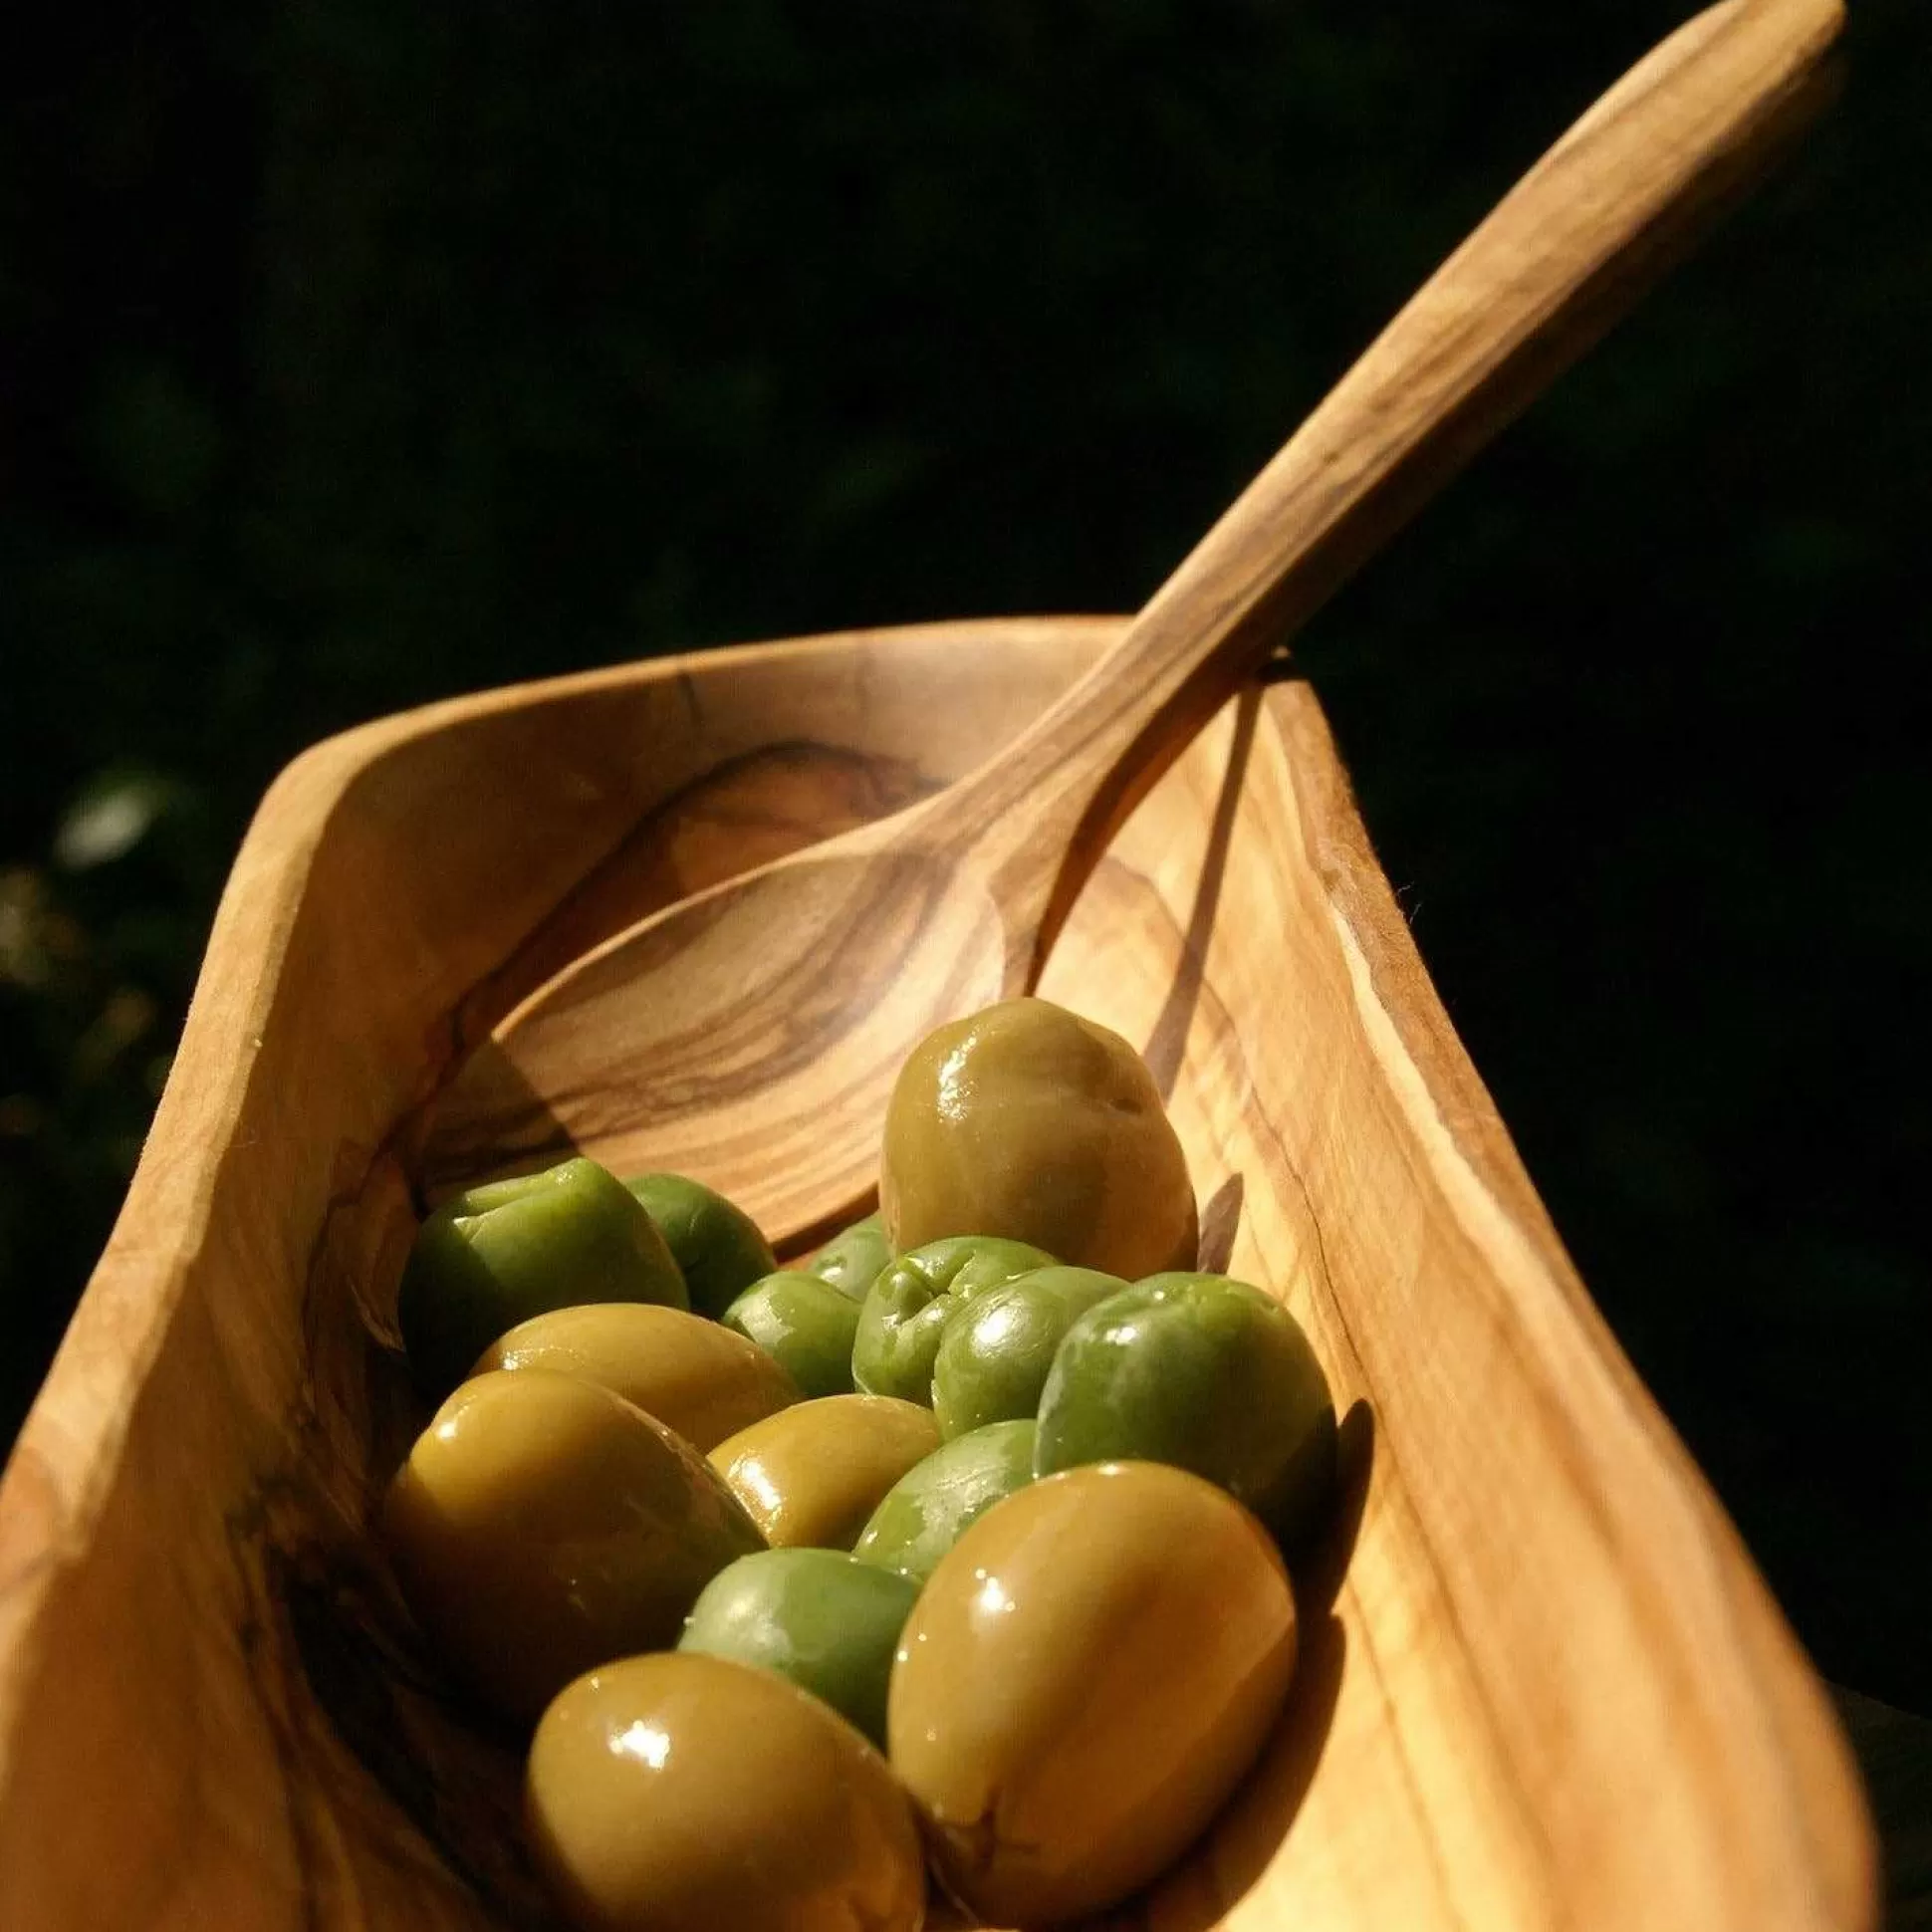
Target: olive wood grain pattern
(1540,1686)
(173,1517)
(717,1033)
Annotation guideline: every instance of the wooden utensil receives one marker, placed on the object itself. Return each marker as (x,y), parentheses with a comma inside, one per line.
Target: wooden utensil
(1542,1688)
(749,1036)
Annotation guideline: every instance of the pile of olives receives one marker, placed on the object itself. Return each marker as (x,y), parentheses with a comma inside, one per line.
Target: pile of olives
(957,1548)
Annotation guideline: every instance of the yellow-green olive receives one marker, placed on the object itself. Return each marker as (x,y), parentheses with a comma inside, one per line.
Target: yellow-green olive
(543,1525)
(1028,1121)
(699,1379)
(689,1794)
(1083,1680)
(812,1474)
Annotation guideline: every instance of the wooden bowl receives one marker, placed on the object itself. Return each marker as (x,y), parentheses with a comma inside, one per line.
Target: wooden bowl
(1542,1684)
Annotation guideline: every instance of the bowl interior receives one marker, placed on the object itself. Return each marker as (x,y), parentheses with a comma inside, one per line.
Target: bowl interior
(1539,1684)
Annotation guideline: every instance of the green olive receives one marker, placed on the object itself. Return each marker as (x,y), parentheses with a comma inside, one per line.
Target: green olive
(995,1353)
(1204,1372)
(907,1308)
(690,1793)
(695,1378)
(851,1261)
(818,1616)
(930,1506)
(1029,1121)
(1083,1683)
(812,1474)
(543,1525)
(805,1324)
(503,1252)
(716,1244)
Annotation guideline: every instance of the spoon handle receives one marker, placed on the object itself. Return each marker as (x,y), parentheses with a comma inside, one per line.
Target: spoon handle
(1545,273)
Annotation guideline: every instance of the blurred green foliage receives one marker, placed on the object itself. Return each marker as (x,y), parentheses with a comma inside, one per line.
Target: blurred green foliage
(358,355)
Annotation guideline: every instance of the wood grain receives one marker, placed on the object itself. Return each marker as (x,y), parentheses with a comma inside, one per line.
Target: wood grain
(1543,1687)
(716,1031)
(1525,1769)
(210,1427)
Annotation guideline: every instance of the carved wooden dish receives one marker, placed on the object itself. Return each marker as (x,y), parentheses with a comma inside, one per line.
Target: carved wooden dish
(1542,1684)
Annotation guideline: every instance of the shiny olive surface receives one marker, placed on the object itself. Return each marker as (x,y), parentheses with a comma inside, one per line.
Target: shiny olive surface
(804,1323)
(851,1261)
(543,1525)
(994,1353)
(907,1308)
(819,1618)
(1084,1681)
(1029,1121)
(1204,1372)
(695,1378)
(503,1252)
(812,1474)
(690,1793)
(716,1244)
(931,1506)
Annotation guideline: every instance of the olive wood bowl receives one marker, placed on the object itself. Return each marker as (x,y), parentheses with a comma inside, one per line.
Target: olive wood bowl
(1541,1685)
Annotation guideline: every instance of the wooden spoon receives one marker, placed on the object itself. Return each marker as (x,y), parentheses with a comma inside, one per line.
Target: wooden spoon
(749,1036)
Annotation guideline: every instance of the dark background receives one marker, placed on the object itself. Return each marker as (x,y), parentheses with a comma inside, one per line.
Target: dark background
(357,355)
